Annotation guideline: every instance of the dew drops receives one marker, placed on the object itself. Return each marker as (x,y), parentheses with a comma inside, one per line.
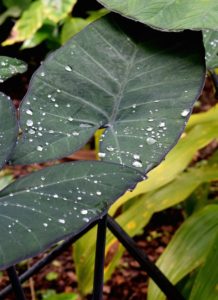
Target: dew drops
(101,154)
(29,112)
(84,211)
(83,125)
(29,123)
(150,141)
(185,112)
(110,149)
(39,148)
(62,221)
(136,156)
(31,131)
(68,68)
(75,133)
(162,124)
(86,220)
(137,164)
(98,193)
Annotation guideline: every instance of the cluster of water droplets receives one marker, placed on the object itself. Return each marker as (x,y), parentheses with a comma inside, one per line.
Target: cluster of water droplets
(63,200)
(10,67)
(211,47)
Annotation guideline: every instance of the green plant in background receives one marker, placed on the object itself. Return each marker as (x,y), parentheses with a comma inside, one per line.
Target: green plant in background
(44,20)
(138,85)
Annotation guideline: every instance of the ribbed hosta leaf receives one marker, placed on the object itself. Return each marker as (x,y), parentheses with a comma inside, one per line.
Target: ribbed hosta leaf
(139,88)
(169,14)
(211,47)
(8,128)
(48,205)
(10,66)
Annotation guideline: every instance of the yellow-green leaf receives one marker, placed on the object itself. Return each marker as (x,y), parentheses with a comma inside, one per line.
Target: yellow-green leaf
(30,21)
(56,10)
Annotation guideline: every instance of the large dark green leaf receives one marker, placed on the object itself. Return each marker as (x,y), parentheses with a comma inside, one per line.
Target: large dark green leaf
(47,205)
(169,14)
(211,47)
(8,128)
(140,88)
(10,66)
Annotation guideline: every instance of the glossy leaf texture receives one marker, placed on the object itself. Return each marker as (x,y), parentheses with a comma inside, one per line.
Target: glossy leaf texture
(168,15)
(190,245)
(211,47)
(10,66)
(62,200)
(8,129)
(139,87)
(205,286)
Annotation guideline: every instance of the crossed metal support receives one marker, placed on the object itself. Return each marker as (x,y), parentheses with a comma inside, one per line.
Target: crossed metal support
(105,222)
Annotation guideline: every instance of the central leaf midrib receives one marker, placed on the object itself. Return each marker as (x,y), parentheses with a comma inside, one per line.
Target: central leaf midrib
(122,88)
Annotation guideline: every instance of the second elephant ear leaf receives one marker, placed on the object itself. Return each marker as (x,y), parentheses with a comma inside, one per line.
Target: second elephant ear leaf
(211,48)
(168,15)
(136,83)
(8,129)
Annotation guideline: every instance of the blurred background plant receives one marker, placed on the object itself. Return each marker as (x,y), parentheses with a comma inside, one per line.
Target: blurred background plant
(45,20)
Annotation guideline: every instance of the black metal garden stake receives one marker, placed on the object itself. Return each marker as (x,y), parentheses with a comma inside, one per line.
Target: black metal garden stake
(106,221)
(159,278)
(99,259)
(15,282)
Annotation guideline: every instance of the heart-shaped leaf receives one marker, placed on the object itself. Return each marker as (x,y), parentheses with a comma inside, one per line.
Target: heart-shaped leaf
(211,47)
(169,15)
(137,83)
(8,128)
(48,205)
(10,66)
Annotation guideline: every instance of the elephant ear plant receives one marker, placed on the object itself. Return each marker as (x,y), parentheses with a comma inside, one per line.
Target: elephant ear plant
(135,83)
(8,124)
